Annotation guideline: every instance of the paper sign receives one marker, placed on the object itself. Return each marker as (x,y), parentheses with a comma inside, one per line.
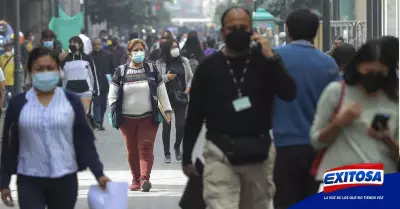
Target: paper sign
(114,197)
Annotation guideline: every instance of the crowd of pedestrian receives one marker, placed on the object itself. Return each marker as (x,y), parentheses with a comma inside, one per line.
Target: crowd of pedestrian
(276,118)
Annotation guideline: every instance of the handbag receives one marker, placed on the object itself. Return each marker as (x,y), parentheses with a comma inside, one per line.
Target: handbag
(114,116)
(177,97)
(321,153)
(192,197)
(244,150)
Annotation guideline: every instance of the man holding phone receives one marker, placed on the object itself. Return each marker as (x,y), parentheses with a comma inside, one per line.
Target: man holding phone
(233,91)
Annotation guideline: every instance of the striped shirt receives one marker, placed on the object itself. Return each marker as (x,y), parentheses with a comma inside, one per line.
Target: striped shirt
(46,137)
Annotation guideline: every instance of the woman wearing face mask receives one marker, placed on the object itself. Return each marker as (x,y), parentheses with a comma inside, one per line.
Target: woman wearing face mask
(142,89)
(49,141)
(177,75)
(344,119)
(80,73)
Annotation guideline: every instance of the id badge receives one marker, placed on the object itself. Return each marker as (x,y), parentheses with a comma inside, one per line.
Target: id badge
(241,104)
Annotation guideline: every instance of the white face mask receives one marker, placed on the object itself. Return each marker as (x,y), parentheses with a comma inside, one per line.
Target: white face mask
(175,52)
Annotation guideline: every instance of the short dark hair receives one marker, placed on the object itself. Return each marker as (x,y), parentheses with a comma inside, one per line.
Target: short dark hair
(234,8)
(41,52)
(47,33)
(390,47)
(373,50)
(83,31)
(343,54)
(338,38)
(302,24)
(78,40)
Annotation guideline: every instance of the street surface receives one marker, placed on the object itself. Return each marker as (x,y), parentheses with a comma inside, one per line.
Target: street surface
(167,179)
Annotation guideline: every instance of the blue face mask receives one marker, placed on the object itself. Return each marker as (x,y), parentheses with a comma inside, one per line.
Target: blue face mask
(48,44)
(138,57)
(45,81)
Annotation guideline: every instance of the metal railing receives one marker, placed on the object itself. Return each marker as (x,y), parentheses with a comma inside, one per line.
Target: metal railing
(353,32)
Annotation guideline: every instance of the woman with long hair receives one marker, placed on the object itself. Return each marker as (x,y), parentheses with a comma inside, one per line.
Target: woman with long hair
(80,72)
(48,140)
(357,120)
(177,75)
(142,89)
(192,47)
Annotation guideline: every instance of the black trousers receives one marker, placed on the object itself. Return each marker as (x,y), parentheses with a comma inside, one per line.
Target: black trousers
(180,116)
(37,193)
(292,175)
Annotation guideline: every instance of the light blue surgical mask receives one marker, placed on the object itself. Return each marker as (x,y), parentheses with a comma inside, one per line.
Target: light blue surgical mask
(48,44)
(45,81)
(138,57)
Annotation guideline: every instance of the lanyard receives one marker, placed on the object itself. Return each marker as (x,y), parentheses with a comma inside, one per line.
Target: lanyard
(239,84)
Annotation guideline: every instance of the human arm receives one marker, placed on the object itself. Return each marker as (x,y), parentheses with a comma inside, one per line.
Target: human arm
(329,119)
(278,78)
(111,67)
(114,86)
(391,142)
(163,98)
(196,112)
(93,77)
(2,87)
(189,73)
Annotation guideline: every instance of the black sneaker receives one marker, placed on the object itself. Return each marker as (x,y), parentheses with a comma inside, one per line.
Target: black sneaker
(178,154)
(101,127)
(167,159)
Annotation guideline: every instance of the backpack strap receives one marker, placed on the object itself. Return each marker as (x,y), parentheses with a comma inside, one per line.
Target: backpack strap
(123,69)
(154,73)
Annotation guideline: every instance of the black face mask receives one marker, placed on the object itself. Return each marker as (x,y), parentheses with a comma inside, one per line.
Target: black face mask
(73,48)
(372,82)
(238,40)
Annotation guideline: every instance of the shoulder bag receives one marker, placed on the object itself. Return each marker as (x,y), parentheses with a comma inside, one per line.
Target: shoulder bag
(243,150)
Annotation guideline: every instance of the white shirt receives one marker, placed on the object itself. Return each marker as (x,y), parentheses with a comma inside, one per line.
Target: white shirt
(46,137)
(87,44)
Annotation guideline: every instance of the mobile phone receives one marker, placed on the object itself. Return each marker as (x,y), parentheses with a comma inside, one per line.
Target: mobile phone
(381,119)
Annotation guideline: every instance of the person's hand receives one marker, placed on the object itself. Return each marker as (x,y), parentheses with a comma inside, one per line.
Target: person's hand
(95,93)
(187,91)
(170,76)
(265,45)
(63,55)
(169,116)
(348,115)
(103,182)
(382,134)
(6,197)
(189,170)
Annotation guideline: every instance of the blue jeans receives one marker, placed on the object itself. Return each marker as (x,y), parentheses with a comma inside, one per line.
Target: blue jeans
(37,193)
(100,107)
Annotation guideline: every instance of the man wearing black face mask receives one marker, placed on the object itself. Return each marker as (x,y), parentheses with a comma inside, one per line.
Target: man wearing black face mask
(233,91)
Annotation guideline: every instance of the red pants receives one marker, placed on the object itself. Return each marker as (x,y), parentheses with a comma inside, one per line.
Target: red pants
(139,136)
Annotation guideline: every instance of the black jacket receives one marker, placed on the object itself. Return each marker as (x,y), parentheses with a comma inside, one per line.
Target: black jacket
(104,63)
